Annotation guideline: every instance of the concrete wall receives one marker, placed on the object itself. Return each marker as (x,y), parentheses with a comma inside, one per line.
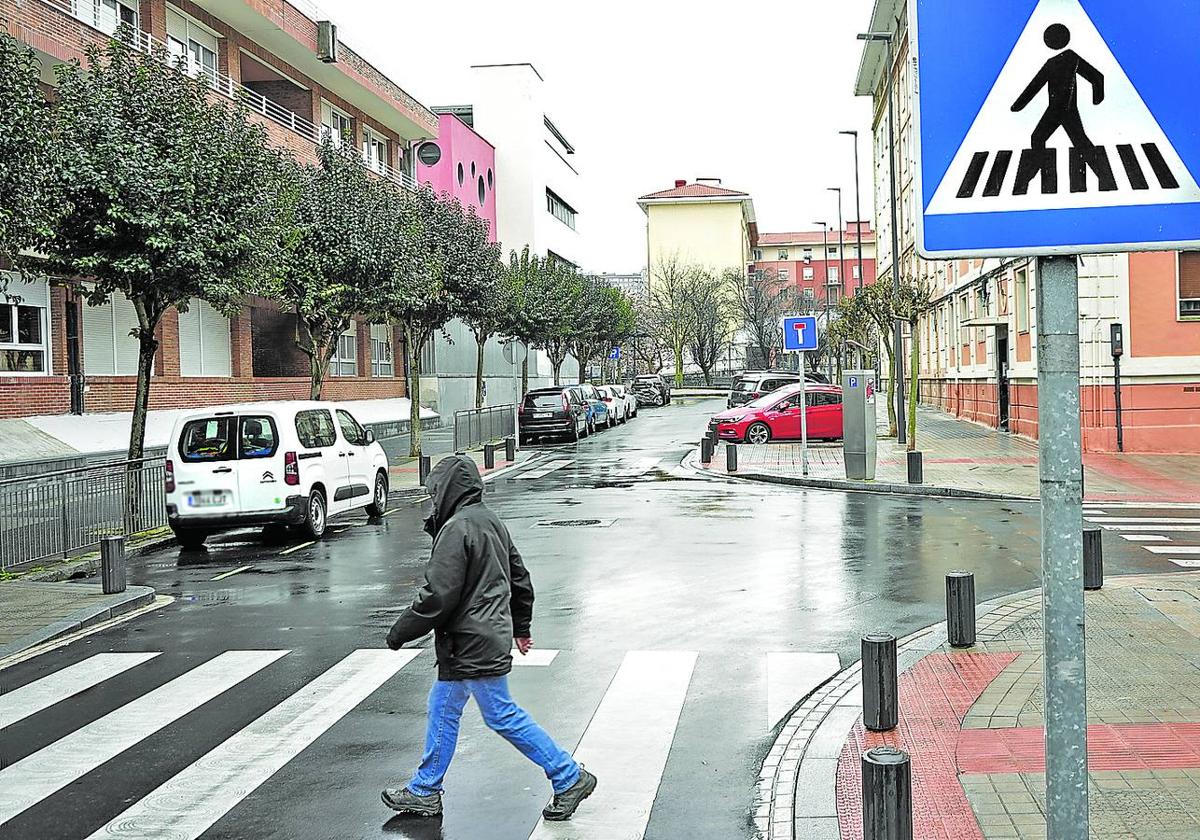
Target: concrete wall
(464,150)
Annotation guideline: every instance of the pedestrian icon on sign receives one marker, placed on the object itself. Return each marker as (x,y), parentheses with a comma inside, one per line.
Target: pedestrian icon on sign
(1058,76)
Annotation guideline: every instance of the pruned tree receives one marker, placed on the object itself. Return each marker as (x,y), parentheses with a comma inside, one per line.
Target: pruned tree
(604,319)
(912,301)
(488,310)
(670,288)
(167,196)
(535,312)
(712,316)
(25,153)
(563,285)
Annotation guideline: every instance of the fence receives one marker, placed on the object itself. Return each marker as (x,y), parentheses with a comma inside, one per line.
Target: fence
(55,514)
(477,426)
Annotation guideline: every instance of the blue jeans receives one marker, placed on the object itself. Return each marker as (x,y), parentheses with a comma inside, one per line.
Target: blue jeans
(502,715)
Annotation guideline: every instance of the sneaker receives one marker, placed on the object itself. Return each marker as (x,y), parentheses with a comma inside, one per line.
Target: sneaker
(404,801)
(564,804)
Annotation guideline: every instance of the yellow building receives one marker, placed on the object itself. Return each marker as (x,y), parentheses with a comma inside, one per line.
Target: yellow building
(701,224)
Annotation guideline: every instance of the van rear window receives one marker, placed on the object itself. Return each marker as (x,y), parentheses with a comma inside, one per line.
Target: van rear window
(228,439)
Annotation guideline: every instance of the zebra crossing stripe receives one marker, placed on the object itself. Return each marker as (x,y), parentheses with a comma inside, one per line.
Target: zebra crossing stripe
(546,468)
(30,699)
(1143,537)
(1154,528)
(626,745)
(1173,549)
(187,805)
(52,768)
(536,658)
(1151,520)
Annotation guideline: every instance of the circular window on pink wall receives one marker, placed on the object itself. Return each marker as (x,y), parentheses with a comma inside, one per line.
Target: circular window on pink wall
(461,176)
(482,192)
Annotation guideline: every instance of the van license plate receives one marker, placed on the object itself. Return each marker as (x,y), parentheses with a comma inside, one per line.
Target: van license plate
(542,415)
(206,499)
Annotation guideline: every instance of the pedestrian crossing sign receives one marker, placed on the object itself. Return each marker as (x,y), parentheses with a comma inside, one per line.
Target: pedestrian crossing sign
(1055,126)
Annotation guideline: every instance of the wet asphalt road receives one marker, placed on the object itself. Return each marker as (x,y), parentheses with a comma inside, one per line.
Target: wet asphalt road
(661,561)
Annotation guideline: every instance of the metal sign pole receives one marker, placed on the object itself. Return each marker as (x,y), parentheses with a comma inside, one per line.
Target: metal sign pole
(803,416)
(1060,474)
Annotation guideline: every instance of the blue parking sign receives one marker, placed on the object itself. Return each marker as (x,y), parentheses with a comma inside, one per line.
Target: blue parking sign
(1056,126)
(800,334)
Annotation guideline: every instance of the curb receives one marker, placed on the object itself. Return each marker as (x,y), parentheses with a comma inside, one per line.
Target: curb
(131,599)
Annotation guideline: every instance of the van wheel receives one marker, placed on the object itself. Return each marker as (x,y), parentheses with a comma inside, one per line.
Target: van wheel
(379,499)
(190,539)
(314,515)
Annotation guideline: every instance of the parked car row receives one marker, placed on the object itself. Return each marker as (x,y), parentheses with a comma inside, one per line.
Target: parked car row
(777,416)
(652,389)
(572,412)
(752,384)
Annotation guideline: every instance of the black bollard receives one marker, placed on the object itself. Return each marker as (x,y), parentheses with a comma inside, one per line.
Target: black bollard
(960,609)
(916,468)
(887,794)
(706,450)
(731,457)
(881,700)
(1093,558)
(422,469)
(510,449)
(112,564)
(489,456)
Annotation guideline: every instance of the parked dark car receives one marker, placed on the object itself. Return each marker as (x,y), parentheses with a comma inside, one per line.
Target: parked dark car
(651,389)
(553,412)
(753,384)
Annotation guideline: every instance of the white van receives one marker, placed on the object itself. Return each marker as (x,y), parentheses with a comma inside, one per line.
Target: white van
(274,464)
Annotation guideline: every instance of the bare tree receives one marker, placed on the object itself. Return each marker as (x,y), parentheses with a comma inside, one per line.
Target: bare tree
(670,303)
(761,302)
(712,316)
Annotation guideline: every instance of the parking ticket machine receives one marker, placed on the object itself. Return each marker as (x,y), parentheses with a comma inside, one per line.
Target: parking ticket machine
(858,423)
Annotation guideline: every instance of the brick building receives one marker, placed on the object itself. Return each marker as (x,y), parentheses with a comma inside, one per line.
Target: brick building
(57,354)
(815,263)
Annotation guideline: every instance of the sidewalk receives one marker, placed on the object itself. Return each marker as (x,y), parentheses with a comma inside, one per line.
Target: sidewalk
(37,611)
(404,472)
(961,457)
(972,722)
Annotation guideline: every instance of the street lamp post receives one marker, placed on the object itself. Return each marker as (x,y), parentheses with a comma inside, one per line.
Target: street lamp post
(825,284)
(898,324)
(857,213)
(841,245)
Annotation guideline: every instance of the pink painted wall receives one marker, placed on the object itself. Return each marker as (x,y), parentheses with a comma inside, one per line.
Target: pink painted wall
(466,171)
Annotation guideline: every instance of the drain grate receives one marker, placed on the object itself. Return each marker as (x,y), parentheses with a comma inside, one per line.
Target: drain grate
(574,523)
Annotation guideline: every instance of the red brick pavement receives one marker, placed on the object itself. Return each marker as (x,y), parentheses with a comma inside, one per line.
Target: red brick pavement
(1170,746)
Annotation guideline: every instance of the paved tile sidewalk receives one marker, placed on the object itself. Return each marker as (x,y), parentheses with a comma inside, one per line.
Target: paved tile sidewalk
(32,612)
(972,458)
(972,721)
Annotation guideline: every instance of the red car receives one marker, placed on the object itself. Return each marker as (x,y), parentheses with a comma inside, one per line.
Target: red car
(776,416)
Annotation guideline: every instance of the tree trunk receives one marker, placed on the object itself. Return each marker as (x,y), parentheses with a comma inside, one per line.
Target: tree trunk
(914,387)
(678,365)
(414,392)
(480,343)
(147,346)
(525,373)
(707,376)
(319,361)
(557,368)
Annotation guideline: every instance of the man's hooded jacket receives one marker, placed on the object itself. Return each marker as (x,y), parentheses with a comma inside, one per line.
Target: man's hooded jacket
(477,595)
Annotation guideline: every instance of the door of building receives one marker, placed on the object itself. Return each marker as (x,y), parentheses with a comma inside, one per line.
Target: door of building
(1002,376)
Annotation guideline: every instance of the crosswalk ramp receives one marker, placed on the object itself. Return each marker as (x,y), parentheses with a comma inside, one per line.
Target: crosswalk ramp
(1170,533)
(627,741)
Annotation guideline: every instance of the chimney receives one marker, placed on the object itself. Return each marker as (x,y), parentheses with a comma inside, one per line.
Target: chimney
(712,182)
(679,183)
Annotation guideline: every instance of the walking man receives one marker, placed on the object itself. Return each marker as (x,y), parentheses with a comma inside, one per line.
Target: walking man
(478,600)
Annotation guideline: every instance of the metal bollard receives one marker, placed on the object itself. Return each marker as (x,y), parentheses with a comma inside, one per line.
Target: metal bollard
(960,609)
(489,456)
(112,564)
(887,794)
(1093,558)
(510,449)
(881,699)
(422,469)
(706,450)
(916,468)
(731,457)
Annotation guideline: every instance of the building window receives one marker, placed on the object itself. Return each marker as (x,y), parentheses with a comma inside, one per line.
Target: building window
(756,254)
(429,358)
(831,275)
(1189,284)
(345,358)
(809,298)
(203,341)
(855,272)
(831,251)
(1022,299)
(106,15)
(560,210)
(23,329)
(192,44)
(336,124)
(375,151)
(110,347)
(783,254)
(381,351)
(808,273)
(808,254)
(785,274)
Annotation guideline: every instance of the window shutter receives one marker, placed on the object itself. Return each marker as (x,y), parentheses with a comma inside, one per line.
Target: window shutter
(1189,275)
(124,321)
(98,340)
(215,328)
(190,363)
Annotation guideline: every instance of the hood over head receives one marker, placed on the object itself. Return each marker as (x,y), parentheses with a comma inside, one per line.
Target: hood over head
(453,483)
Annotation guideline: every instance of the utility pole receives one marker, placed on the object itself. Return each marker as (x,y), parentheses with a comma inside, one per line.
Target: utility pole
(898,323)
(825,285)
(841,245)
(857,213)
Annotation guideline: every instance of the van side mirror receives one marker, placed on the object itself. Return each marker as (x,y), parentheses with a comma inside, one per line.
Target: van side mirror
(369,437)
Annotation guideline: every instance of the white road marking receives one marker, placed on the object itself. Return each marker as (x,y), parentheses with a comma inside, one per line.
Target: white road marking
(297,547)
(626,746)
(1153,520)
(188,804)
(52,768)
(546,468)
(536,658)
(1087,512)
(231,573)
(42,694)
(792,676)
(1143,537)
(1174,549)
(1187,564)
(1151,527)
(637,468)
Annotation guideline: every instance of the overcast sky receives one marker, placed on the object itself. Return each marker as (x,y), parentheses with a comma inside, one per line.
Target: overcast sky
(752,92)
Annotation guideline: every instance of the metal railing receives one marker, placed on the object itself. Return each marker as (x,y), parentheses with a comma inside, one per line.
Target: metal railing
(477,426)
(226,86)
(56,514)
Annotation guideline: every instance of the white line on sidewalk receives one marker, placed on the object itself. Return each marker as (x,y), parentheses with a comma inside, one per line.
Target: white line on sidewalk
(626,745)
(42,694)
(52,768)
(791,676)
(185,806)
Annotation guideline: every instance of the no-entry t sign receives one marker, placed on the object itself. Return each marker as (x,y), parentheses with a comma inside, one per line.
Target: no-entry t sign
(800,334)
(1056,126)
